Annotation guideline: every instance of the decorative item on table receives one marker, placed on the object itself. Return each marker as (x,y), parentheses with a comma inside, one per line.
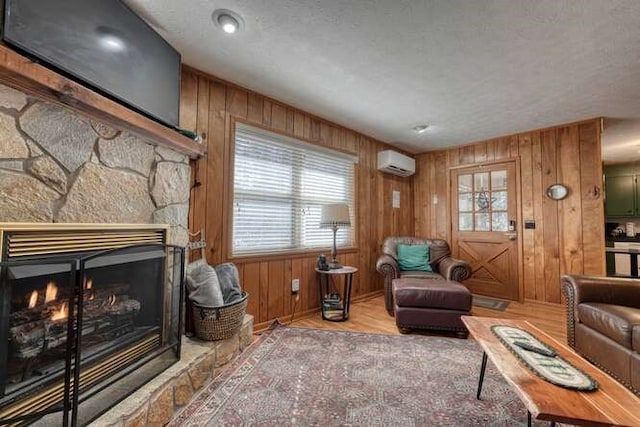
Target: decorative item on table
(322,263)
(543,360)
(335,216)
(332,301)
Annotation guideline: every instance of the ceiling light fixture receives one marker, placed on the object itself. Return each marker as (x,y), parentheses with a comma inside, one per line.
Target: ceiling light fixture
(420,128)
(229,25)
(227,20)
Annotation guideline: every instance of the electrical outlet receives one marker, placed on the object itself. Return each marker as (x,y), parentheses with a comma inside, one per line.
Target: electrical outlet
(295,286)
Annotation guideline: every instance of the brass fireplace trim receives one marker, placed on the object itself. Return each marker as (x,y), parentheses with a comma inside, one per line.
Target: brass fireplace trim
(54,394)
(25,239)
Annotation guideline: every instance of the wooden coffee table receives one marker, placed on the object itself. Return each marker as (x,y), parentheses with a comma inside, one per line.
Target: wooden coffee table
(611,404)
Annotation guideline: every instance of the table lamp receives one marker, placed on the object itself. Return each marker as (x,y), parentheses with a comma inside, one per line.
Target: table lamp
(334,216)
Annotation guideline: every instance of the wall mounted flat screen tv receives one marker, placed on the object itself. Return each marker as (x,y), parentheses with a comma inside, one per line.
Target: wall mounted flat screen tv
(102,44)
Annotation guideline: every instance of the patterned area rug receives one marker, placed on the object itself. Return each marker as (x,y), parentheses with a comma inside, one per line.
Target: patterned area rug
(297,376)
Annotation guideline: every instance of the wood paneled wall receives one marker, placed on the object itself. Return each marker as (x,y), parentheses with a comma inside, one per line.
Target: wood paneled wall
(569,234)
(208,106)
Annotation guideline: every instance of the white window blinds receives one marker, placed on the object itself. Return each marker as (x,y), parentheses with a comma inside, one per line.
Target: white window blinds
(280,185)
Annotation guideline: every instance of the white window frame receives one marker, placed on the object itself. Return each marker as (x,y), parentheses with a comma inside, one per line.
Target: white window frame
(346,237)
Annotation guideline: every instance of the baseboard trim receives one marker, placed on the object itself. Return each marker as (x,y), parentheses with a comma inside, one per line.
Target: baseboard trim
(262,326)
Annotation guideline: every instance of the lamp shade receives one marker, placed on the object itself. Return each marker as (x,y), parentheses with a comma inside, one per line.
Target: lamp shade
(335,215)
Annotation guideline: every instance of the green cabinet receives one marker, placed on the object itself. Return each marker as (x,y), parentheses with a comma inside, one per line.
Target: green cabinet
(621,196)
(622,190)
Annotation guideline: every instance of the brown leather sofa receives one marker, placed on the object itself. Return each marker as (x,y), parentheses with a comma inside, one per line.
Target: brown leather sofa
(444,266)
(603,324)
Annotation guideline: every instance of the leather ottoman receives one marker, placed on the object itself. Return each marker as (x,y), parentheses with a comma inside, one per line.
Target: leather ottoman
(431,304)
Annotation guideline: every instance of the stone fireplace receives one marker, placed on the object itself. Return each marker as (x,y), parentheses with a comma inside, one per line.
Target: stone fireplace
(97,307)
(58,166)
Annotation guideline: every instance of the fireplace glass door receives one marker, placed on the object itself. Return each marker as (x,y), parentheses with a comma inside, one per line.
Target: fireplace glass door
(78,328)
(37,299)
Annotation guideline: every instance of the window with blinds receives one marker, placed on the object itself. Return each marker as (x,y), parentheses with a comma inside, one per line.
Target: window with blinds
(280,185)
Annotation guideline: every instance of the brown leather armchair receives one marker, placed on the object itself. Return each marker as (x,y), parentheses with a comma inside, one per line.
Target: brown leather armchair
(444,266)
(603,324)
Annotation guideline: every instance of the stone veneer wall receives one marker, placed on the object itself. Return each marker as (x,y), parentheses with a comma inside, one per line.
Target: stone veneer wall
(58,166)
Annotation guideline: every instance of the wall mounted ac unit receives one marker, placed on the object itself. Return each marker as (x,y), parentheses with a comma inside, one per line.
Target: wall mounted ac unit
(395,163)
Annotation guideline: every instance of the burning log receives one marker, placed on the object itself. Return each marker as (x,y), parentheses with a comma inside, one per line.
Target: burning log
(99,316)
(124,307)
(33,314)
(35,311)
(106,292)
(43,324)
(33,338)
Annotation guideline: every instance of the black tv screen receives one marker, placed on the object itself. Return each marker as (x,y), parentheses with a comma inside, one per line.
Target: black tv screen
(103,44)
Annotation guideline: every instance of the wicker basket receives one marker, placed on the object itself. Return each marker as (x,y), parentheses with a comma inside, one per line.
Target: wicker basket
(219,323)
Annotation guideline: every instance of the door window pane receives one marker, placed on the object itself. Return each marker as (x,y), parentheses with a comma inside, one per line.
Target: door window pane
(465,222)
(464,183)
(482,222)
(499,201)
(499,180)
(499,221)
(465,203)
(482,201)
(481,181)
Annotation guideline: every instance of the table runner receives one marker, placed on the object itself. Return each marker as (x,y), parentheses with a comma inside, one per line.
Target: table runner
(555,370)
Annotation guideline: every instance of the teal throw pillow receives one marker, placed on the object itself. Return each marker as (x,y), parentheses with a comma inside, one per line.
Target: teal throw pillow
(413,258)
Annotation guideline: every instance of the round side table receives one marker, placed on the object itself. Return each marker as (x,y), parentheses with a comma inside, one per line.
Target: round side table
(333,305)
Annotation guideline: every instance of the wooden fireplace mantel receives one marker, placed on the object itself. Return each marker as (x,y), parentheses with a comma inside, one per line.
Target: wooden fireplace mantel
(34,79)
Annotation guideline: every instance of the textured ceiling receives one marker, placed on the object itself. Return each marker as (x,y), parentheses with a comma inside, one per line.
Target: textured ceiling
(472,69)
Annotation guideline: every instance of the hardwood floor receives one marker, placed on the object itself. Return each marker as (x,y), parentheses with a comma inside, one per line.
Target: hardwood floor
(370,316)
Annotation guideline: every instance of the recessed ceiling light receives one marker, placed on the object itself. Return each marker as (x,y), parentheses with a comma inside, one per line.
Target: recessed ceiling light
(227,20)
(229,25)
(420,128)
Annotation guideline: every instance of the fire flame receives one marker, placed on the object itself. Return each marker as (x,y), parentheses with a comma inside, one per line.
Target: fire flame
(51,293)
(33,299)
(88,285)
(60,313)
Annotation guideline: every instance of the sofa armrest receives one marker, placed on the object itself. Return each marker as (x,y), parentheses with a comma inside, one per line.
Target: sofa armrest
(453,269)
(388,267)
(606,290)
